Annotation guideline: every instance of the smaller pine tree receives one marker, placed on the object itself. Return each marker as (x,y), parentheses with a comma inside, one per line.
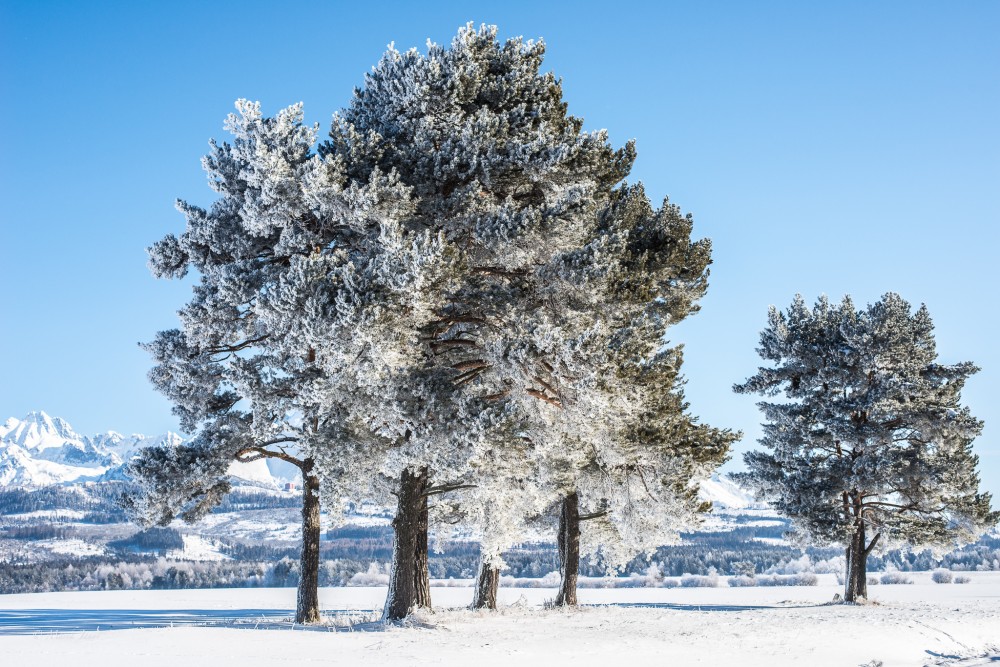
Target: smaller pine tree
(873,445)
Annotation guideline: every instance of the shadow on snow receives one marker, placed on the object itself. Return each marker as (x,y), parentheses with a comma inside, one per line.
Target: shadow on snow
(41,621)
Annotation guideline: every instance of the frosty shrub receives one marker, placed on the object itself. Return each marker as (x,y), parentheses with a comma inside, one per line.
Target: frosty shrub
(962,579)
(742,581)
(895,578)
(801,579)
(699,581)
(941,576)
(374,576)
(872,580)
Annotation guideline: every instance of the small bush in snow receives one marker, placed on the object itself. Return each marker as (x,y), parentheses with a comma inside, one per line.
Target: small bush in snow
(742,581)
(962,579)
(941,577)
(699,581)
(872,580)
(896,578)
(670,583)
(373,577)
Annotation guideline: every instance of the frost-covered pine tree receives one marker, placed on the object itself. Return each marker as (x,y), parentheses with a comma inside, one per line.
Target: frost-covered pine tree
(505,180)
(518,344)
(250,368)
(872,445)
(623,452)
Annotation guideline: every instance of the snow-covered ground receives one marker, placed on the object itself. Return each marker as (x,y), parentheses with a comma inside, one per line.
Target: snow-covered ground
(919,624)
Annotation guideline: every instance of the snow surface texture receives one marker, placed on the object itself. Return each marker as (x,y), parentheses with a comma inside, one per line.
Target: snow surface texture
(920,624)
(40,450)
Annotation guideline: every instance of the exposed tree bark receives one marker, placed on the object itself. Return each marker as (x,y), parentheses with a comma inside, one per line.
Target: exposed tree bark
(857,575)
(856,586)
(307,605)
(409,580)
(422,579)
(487,583)
(569,549)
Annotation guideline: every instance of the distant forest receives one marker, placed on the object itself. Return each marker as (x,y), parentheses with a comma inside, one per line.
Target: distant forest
(142,559)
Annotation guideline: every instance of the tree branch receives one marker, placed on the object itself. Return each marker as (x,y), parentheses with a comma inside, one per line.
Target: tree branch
(541,396)
(871,546)
(229,349)
(257,452)
(499,271)
(445,488)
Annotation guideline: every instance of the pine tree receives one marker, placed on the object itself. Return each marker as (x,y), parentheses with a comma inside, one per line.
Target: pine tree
(247,372)
(548,320)
(873,445)
(505,180)
(626,451)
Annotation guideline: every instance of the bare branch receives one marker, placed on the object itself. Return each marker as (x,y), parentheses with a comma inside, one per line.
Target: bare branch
(542,396)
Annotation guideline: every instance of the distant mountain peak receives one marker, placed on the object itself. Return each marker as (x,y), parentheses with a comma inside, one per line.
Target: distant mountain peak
(40,450)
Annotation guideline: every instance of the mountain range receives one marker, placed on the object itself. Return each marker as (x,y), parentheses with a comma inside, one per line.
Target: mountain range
(40,450)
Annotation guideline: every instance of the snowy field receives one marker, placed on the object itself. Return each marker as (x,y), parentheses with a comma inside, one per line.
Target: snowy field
(919,624)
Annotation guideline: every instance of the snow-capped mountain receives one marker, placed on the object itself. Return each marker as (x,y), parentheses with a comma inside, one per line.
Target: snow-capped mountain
(40,450)
(725,494)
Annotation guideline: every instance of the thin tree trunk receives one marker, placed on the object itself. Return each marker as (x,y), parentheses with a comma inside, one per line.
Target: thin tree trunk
(847,569)
(857,578)
(487,583)
(569,550)
(409,580)
(307,604)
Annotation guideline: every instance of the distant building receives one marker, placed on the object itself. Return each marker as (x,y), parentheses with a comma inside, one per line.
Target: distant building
(289,486)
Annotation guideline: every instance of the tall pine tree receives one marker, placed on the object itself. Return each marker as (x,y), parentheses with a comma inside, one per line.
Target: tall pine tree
(250,368)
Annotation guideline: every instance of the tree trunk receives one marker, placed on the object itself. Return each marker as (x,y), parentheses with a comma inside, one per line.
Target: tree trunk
(409,580)
(569,550)
(857,572)
(307,605)
(487,583)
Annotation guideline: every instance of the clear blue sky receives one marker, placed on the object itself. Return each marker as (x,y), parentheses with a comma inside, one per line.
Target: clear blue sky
(845,148)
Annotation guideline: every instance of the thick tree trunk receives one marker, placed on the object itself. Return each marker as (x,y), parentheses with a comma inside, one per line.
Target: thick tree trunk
(422,582)
(569,550)
(487,583)
(307,605)
(857,570)
(409,580)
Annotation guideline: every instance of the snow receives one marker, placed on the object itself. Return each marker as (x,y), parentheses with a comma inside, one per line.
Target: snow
(198,548)
(72,547)
(279,525)
(255,472)
(725,494)
(18,467)
(919,624)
